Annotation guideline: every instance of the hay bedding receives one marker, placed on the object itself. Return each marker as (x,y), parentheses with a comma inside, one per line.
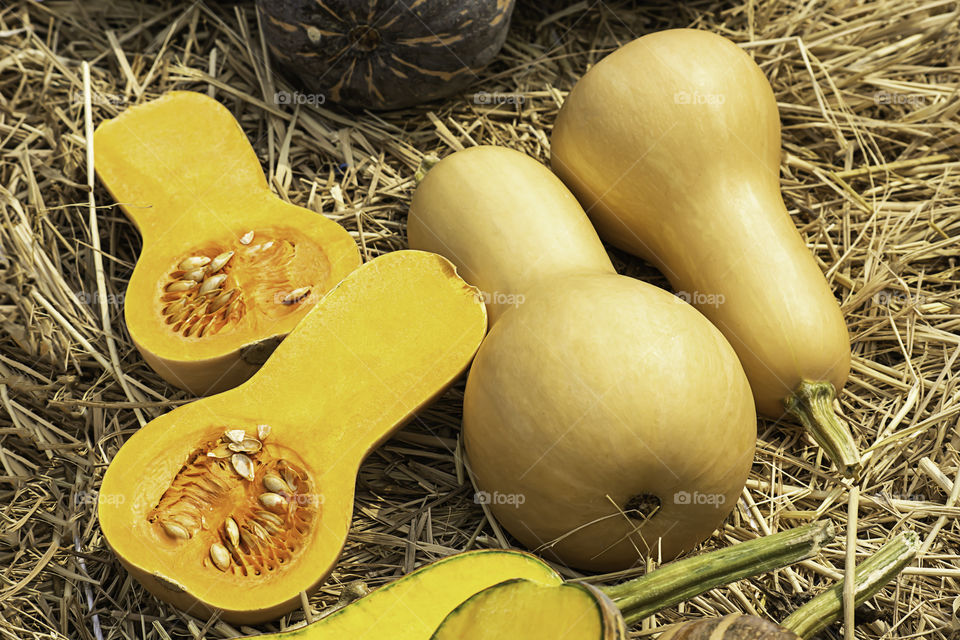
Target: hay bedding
(868,99)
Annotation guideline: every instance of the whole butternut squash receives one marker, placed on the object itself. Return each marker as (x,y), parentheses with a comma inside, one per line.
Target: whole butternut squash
(672,144)
(603,418)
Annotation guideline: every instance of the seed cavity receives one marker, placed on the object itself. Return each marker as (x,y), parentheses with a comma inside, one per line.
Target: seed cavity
(216,287)
(253,531)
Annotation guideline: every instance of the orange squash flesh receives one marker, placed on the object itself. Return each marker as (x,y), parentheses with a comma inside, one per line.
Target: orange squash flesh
(382,344)
(184,172)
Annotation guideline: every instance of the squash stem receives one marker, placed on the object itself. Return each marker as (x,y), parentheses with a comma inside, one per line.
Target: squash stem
(684,579)
(871,576)
(812,404)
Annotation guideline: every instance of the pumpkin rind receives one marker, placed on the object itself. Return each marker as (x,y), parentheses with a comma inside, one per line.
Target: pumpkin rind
(381,54)
(383,343)
(184,172)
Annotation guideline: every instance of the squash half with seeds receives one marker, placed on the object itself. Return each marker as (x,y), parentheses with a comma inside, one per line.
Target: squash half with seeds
(383,54)
(227,267)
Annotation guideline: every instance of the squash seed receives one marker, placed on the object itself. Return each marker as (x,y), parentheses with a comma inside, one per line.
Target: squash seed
(246,238)
(248,445)
(232,530)
(220,451)
(272,518)
(235,435)
(220,556)
(175,530)
(275,484)
(270,526)
(290,478)
(211,284)
(273,501)
(181,285)
(217,303)
(258,530)
(194,262)
(263,430)
(242,465)
(196,274)
(217,263)
(296,295)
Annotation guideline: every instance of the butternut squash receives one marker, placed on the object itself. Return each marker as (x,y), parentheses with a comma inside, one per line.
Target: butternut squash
(672,144)
(603,418)
(227,267)
(412,607)
(520,608)
(242,500)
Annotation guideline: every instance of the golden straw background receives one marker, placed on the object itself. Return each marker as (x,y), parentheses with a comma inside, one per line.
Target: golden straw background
(868,97)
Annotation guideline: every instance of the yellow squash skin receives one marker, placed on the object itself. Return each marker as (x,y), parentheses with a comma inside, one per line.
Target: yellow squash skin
(412,607)
(672,145)
(183,171)
(381,345)
(592,390)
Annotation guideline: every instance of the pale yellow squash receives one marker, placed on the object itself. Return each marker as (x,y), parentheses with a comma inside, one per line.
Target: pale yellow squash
(672,145)
(604,418)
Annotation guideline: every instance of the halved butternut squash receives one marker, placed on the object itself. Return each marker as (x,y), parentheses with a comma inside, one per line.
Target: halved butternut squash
(412,607)
(227,267)
(242,500)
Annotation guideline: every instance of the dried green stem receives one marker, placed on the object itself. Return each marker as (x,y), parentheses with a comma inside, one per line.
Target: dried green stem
(684,579)
(871,576)
(812,404)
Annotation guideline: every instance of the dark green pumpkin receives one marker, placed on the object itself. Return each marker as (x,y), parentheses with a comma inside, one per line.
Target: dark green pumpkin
(384,54)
